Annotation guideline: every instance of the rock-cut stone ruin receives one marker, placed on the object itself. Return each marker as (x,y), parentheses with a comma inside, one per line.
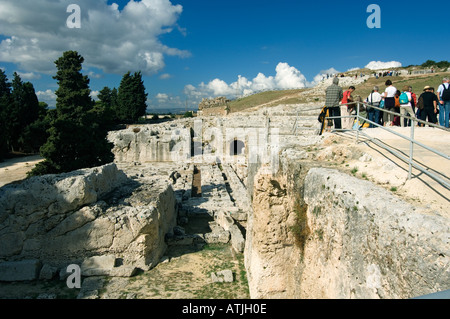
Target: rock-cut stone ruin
(307,229)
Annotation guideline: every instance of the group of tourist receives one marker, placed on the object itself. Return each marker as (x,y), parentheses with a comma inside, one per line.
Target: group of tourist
(430,106)
(386,73)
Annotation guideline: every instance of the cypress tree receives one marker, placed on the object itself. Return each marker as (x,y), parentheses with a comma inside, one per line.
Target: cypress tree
(5,100)
(35,135)
(22,112)
(104,108)
(131,98)
(77,138)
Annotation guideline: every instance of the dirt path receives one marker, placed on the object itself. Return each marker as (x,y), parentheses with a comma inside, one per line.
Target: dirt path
(16,169)
(388,171)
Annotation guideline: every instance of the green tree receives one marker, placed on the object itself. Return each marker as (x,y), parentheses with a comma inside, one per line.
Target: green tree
(22,112)
(5,100)
(131,98)
(443,64)
(77,138)
(104,107)
(35,135)
(428,64)
(105,96)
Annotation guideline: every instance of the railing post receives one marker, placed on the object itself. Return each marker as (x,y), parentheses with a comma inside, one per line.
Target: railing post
(411,150)
(357,122)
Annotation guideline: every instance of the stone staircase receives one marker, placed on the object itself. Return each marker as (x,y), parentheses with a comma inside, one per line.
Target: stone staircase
(215,216)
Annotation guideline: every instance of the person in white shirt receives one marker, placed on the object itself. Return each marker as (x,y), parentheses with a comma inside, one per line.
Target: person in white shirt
(389,103)
(444,103)
(373,99)
(406,108)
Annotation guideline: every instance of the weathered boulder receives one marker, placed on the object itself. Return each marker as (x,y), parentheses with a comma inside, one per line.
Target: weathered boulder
(359,240)
(369,243)
(222,276)
(64,219)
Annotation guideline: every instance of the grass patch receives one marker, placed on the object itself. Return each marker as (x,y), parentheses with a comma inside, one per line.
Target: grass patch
(319,234)
(263,98)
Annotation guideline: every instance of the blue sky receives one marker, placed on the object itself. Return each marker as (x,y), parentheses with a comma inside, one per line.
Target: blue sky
(189,49)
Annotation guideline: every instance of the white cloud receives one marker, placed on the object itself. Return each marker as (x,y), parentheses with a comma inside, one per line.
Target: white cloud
(287,77)
(47,96)
(94,75)
(165,76)
(94,95)
(29,76)
(378,65)
(111,40)
(162,97)
(323,75)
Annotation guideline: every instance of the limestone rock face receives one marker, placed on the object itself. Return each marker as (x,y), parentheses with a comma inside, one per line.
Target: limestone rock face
(272,259)
(368,243)
(362,241)
(59,220)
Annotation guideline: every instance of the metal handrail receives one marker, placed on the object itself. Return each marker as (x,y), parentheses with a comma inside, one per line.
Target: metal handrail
(411,139)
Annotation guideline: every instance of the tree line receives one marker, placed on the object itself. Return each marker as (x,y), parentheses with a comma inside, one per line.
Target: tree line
(23,119)
(74,135)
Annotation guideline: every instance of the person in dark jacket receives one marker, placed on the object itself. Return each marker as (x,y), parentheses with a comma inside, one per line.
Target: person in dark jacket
(334,95)
(430,105)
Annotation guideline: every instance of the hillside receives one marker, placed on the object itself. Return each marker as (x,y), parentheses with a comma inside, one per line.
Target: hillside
(316,95)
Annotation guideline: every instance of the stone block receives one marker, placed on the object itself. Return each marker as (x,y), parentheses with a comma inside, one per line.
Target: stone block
(224,220)
(25,270)
(222,237)
(222,276)
(237,238)
(98,265)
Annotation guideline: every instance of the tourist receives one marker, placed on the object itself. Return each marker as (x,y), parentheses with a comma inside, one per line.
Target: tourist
(413,103)
(389,102)
(405,108)
(396,121)
(444,102)
(346,110)
(334,95)
(373,99)
(430,105)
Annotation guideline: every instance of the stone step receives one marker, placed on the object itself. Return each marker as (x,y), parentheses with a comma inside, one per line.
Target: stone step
(209,219)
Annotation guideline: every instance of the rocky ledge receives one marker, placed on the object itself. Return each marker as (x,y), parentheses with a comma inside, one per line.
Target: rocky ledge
(50,222)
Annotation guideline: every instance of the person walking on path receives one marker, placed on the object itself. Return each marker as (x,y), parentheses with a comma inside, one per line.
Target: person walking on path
(444,102)
(413,104)
(346,110)
(334,95)
(373,99)
(405,106)
(389,102)
(430,105)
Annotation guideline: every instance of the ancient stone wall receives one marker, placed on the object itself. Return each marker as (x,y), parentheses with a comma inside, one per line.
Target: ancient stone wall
(214,107)
(168,142)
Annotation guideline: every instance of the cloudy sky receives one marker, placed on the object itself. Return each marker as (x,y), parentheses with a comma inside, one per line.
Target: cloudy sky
(189,49)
